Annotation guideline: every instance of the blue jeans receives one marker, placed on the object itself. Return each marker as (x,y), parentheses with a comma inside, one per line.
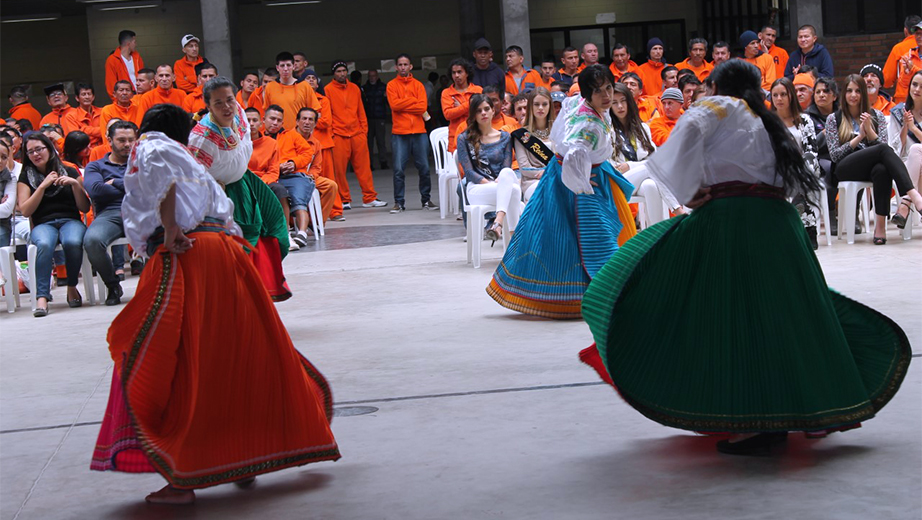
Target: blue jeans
(300,188)
(417,146)
(105,228)
(69,233)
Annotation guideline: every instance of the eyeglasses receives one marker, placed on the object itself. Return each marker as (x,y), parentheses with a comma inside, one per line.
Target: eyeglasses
(37,150)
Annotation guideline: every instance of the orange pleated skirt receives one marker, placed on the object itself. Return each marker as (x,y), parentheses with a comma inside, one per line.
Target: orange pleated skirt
(207,386)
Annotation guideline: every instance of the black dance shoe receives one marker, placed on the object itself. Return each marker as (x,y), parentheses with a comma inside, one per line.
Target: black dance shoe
(759,445)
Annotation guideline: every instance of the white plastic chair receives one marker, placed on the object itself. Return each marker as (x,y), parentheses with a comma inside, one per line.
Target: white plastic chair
(906,232)
(100,284)
(86,270)
(475,224)
(447,171)
(820,199)
(315,210)
(848,198)
(8,267)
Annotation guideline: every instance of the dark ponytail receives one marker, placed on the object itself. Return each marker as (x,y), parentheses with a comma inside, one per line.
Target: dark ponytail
(740,79)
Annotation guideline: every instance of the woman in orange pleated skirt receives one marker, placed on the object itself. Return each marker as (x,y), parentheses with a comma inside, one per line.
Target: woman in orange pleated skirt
(207,387)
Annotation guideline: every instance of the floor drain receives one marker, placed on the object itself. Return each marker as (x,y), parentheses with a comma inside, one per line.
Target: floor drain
(350,411)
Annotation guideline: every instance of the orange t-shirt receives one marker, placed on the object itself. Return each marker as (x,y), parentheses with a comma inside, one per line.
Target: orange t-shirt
(456,114)
(407,98)
(651,73)
(660,128)
(186,80)
(27,111)
(530,80)
(100,151)
(115,111)
(701,72)
(157,96)
(293,147)
(780,58)
(291,98)
(83,121)
(631,67)
(348,111)
(324,129)
(195,101)
(56,116)
(265,159)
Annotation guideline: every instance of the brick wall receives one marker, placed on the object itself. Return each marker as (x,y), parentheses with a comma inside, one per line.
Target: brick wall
(850,53)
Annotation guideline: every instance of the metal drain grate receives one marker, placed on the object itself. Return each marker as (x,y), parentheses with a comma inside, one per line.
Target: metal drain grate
(351,411)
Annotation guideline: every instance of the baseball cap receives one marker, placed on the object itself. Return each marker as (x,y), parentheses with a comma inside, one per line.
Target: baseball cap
(482,43)
(558,96)
(189,38)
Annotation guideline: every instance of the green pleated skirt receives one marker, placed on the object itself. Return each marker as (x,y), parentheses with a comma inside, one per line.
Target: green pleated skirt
(722,321)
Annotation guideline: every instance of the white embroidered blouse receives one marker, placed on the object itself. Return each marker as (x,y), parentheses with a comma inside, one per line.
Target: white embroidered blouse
(582,137)
(224,152)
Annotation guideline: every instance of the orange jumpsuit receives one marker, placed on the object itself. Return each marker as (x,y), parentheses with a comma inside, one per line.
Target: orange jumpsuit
(194,101)
(631,67)
(651,73)
(324,134)
(186,80)
(660,128)
(291,98)
(27,111)
(456,114)
(116,70)
(350,138)
(81,120)
(702,72)
(56,116)
(157,96)
(116,111)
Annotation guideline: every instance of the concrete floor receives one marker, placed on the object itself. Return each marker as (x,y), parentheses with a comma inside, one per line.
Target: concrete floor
(481,412)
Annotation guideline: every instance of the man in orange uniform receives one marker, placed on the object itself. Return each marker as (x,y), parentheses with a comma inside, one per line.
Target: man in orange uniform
(162,93)
(911,62)
(98,152)
(621,61)
(661,126)
(697,50)
(327,188)
(255,100)
(350,137)
(456,98)
(500,119)
(874,77)
(651,72)
(184,68)
(287,92)
(57,100)
(546,72)
(589,55)
(752,52)
(122,108)
(146,81)
(323,132)
(248,85)
(22,109)
(409,105)
(570,60)
(767,37)
(196,100)
(295,156)
(518,78)
(85,118)
(647,106)
(265,161)
(720,53)
(892,67)
(124,62)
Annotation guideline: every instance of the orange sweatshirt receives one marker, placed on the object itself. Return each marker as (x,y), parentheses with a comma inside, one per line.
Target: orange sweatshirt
(256,101)
(79,119)
(100,151)
(456,114)
(348,111)
(265,159)
(780,59)
(186,80)
(108,112)
(660,128)
(766,66)
(631,67)
(27,111)
(647,107)
(702,72)
(902,84)
(407,98)
(195,101)
(324,129)
(883,105)
(291,98)
(891,68)
(293,147)
(315,170)
(244,100)
(116,70)
(157,96)
(651,74)
(530,80)
(56,116)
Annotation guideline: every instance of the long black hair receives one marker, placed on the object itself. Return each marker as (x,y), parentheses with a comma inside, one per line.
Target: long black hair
(634,127)
(74,143)
(169,119)
(593,77)
(740,79)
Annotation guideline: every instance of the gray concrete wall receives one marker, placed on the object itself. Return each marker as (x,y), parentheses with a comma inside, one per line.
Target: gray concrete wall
(557,13)
(516,27)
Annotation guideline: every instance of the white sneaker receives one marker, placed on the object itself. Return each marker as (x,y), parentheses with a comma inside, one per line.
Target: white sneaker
(300,239)
(374,204)
(293,246)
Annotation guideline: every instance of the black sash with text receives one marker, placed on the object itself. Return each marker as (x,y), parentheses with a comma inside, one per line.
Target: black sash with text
(535,146)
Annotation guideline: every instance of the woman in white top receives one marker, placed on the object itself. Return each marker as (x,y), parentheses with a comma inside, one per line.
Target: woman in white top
(705,325)
(207,387)
(905,137)
(532,142)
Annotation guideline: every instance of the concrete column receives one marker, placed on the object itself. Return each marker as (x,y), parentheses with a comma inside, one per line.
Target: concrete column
(216,36)
(516,27)
(806,12)
(470,21)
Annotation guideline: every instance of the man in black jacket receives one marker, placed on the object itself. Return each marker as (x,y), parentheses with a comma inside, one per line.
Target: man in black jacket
(374,96)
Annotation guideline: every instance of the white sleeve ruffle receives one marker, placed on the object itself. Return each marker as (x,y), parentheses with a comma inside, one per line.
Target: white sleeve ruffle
(157,163)
(576,169)
(678,166)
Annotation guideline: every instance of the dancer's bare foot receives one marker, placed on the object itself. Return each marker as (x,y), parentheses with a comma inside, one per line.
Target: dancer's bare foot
(171,495)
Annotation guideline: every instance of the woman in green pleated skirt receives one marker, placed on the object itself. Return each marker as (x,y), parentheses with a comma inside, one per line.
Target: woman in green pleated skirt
(721,321)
